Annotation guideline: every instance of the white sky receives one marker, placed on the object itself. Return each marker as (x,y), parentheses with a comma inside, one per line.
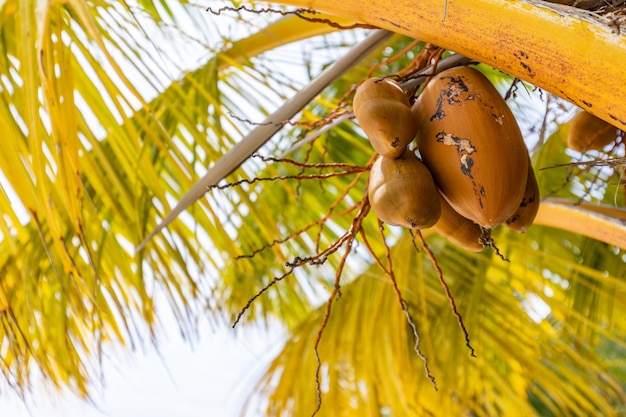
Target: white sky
(212,379)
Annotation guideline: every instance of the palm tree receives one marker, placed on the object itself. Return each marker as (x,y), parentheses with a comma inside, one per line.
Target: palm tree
(107,125)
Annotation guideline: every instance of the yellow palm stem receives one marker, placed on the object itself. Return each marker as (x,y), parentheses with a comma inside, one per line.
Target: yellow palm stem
(560,49)
(282,32)
(607,224)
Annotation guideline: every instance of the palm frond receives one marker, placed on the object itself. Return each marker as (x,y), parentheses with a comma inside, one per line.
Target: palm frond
(102,124)
(529,320)
(106,128)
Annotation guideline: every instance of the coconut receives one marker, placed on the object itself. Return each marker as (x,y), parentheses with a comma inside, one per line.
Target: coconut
(588,132)
(402,192)
(382,109)
(472,145)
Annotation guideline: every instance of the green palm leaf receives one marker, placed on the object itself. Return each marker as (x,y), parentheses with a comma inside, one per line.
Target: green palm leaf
(529,323)
(89,155)
(105,131)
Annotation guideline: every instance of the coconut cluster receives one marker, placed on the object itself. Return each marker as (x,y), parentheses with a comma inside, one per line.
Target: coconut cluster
(473,172)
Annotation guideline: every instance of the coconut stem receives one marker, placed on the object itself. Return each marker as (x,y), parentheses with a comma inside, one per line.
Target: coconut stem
(487,241)
(446,289)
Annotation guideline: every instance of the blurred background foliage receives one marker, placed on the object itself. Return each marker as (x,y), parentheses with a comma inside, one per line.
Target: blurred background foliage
(112,110)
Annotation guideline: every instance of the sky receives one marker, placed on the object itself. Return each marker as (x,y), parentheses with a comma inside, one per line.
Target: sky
(212,378)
